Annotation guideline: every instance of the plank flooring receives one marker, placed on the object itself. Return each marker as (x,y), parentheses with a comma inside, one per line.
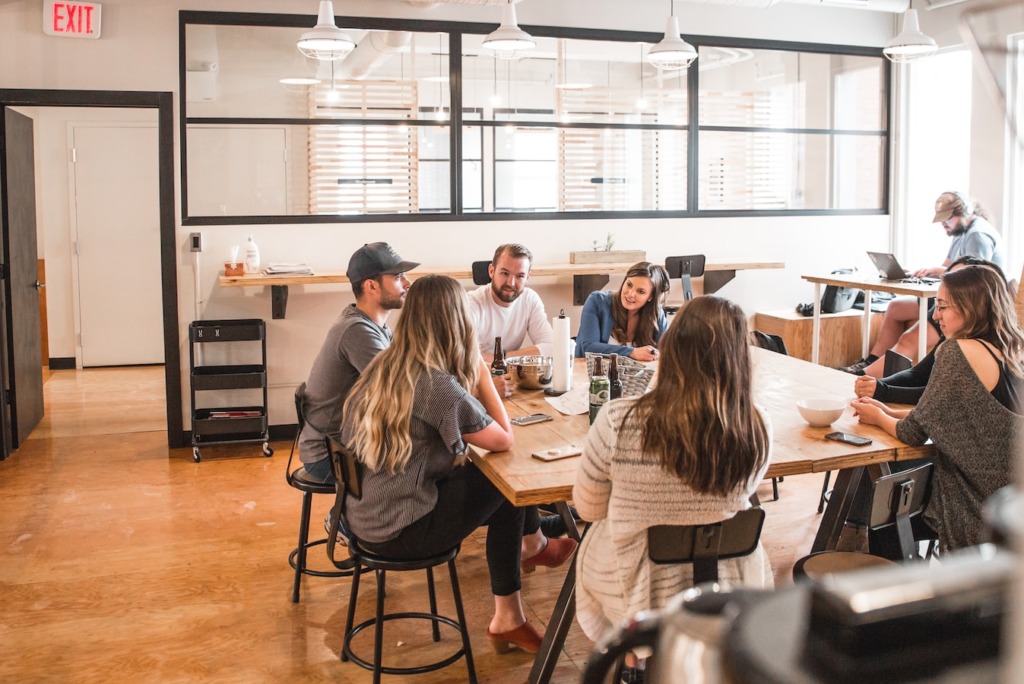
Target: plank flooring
(123,560)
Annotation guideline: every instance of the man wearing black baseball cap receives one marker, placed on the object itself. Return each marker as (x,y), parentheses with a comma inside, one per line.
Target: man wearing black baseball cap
(377,274)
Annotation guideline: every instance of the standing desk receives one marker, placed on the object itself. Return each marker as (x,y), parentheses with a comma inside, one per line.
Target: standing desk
(871,284)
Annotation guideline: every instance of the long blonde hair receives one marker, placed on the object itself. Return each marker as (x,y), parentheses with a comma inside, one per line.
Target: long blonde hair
(700,421)
(988,312)
(433,333)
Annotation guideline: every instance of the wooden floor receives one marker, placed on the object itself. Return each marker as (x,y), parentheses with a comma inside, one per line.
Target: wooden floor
(122,560)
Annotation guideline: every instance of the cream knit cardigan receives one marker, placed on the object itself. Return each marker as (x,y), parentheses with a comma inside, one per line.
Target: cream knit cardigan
(622,491)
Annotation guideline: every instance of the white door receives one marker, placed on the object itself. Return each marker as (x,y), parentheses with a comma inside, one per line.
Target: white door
(116,228)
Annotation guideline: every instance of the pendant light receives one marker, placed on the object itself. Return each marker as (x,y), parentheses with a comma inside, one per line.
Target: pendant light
(672,53)
(910,44)
(326,41)
(508,41)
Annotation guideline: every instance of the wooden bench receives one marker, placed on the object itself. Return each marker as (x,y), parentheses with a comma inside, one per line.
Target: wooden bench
(840,333)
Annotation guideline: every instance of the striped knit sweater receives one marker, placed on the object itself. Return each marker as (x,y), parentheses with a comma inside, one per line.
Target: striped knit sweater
(975,439)
(623,491)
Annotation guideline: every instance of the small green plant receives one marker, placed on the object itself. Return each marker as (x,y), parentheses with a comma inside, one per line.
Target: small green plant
(609,242)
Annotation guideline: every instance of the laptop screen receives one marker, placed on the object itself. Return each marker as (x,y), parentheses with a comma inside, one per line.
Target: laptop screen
(887,265)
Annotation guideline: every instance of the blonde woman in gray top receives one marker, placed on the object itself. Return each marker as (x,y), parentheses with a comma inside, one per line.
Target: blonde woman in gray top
(691,451)
(410,419)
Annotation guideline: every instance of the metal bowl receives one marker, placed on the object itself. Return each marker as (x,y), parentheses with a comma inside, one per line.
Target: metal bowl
(531,372)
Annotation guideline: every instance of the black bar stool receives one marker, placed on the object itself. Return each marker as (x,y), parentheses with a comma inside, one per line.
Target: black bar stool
(347,470)
(299,480)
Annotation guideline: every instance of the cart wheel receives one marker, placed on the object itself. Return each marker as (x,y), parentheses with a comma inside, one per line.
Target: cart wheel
(195,454)
(268,450)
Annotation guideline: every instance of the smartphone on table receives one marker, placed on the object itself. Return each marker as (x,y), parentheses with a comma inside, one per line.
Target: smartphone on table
(847,438)
(530,419)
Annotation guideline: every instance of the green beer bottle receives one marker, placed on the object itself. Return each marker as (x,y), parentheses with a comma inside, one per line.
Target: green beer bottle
(599,389)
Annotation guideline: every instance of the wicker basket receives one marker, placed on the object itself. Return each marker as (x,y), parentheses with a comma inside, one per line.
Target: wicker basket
(634,375)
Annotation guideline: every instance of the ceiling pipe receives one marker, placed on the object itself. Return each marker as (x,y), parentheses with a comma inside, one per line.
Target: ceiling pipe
(373,50)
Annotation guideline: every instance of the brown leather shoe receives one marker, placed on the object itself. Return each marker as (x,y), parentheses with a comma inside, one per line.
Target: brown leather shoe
(524,637)
(554,554)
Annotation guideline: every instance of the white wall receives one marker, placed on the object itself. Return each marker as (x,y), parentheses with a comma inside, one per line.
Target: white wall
(138,51)
(805,244)
(54,207)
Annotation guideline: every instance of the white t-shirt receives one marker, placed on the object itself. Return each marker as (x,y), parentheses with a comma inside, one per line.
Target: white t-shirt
(524,317)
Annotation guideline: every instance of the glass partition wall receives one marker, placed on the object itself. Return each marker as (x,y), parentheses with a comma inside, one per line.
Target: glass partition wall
(581,126)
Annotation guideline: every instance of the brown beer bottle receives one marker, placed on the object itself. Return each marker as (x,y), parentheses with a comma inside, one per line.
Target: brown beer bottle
(498,366)
(615,385)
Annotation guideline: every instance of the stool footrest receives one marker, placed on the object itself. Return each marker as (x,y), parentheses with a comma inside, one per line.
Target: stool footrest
(292,561)
(417,669)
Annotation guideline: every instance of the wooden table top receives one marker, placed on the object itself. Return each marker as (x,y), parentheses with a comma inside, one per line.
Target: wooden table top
(465,273)
(875,284)
(779,382)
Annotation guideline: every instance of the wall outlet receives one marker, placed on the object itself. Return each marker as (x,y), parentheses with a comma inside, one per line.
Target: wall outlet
(196,242)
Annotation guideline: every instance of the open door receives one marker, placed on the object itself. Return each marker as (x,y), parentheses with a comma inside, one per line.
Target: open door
(21,306)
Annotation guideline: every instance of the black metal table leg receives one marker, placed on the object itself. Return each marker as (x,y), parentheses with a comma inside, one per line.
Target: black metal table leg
(840,503)
(563,614)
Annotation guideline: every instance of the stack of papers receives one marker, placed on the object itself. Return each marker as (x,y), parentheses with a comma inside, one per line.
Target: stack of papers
(282,268)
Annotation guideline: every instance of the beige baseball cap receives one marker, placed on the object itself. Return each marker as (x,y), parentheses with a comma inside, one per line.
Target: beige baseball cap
(950,203)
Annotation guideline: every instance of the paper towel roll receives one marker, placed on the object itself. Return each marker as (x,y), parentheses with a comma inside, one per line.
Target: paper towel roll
(561,373)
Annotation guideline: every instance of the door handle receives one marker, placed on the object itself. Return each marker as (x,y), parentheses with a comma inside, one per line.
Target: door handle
(38,285)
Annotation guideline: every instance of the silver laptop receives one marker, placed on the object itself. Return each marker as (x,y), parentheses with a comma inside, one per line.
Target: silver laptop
(890,269)
(887,265)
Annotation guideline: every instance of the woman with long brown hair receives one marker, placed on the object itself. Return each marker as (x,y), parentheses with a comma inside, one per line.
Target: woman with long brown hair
(691,451)
(410,419)
(972,408)
(628,322)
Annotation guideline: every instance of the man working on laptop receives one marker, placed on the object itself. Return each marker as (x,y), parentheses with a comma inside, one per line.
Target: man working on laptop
(965,222)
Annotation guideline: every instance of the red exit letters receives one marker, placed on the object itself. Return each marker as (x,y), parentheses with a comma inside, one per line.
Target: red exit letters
(72,19)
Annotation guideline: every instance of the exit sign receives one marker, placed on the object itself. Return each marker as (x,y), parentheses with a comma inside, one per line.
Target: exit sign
(71,19)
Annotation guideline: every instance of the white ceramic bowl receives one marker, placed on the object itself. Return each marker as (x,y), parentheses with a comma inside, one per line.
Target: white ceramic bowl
(821,412)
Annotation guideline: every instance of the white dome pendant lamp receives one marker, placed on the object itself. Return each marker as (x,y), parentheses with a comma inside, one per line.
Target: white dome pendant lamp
(326,42)
(672,53)
(508,41)
(910,44)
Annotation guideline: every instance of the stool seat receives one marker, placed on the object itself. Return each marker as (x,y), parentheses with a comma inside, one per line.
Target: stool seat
(818,565)
(372,561)
(300,479)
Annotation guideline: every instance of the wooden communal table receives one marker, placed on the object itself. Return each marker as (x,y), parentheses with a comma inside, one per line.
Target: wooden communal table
(780,381)
(871,284)
(716,275)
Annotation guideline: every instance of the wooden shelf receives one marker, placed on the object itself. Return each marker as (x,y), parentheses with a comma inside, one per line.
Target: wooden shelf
(586,277)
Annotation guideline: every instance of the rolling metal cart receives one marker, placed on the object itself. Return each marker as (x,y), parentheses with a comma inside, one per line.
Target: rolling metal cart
(231,423)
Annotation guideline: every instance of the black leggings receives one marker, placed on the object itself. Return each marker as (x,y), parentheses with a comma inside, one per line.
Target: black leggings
(465,501)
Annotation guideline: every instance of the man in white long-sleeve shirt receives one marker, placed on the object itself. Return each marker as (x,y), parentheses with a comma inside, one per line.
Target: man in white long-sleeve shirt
(508,309)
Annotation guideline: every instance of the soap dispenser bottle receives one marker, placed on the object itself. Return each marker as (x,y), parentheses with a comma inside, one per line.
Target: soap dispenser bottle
(252,256)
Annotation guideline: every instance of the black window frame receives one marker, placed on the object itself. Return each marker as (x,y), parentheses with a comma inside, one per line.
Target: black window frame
(455,30)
